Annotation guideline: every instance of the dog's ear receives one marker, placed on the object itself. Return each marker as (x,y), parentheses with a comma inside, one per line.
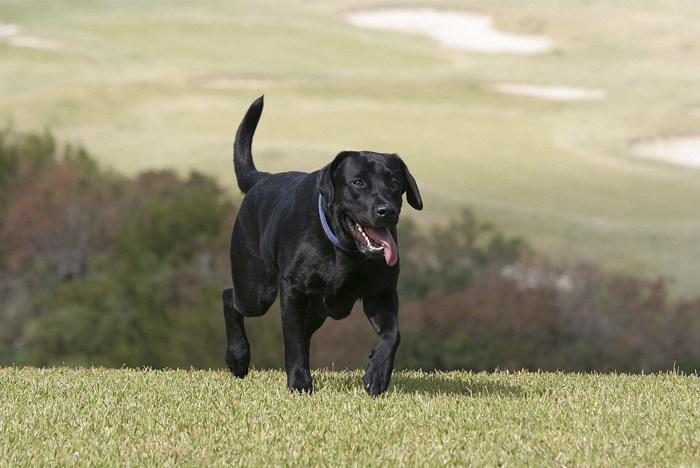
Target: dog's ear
(325,179)
(412,193)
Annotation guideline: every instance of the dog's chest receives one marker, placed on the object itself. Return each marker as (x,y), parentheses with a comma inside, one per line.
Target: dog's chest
(334,295)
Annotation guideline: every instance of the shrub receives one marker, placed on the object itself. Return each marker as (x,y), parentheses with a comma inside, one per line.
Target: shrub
(593,321)
(101,269)
(448,257)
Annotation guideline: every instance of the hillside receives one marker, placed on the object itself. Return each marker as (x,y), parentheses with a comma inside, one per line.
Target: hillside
(164,84)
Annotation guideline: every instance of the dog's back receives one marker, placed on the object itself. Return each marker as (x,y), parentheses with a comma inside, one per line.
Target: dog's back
(268,196)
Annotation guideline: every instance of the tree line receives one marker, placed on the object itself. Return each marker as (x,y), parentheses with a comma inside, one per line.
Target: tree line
(97,268)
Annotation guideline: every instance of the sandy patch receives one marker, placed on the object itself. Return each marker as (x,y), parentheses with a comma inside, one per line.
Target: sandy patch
(683,151)
(459,30)
(551,93)
(33,42)
(8,30)
(10,33)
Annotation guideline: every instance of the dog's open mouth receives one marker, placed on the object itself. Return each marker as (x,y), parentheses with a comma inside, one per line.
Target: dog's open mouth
(375,241)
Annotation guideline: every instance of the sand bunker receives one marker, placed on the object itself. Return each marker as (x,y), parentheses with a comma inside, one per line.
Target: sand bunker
(681,151)
(10,33)
(8,30)
(551,93)
(458,30)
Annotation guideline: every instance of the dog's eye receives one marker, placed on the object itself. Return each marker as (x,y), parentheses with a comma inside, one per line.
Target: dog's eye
(358,183)
(395,184)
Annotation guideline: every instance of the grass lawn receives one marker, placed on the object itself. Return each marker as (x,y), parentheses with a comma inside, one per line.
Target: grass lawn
(200,418)
(164,84)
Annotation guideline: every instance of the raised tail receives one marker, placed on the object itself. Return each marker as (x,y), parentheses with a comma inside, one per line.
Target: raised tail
(246,173)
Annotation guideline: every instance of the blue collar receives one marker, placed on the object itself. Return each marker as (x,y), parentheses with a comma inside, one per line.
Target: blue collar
(326,227)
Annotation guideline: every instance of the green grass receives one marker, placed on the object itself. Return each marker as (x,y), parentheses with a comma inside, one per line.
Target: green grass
(133,83)
(199,418)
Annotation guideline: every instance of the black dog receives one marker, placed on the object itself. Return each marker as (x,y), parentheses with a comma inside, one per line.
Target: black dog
(324,240)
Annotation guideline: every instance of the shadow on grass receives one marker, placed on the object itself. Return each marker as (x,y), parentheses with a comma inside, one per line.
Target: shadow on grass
(441,384)
(425,383)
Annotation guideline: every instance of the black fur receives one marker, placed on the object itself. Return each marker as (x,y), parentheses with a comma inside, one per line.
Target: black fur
(278,245)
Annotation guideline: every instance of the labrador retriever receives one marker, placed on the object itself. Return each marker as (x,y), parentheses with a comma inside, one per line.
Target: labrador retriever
(322,240)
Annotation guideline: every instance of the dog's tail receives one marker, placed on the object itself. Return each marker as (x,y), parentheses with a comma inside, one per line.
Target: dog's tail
(246,173)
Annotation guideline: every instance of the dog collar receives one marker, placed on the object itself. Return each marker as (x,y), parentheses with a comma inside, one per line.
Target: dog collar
(326,227)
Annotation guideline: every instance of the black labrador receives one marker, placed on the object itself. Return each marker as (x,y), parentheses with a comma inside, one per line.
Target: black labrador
(323,240)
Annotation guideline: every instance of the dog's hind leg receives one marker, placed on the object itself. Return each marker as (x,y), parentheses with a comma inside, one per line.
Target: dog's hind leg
(237,345)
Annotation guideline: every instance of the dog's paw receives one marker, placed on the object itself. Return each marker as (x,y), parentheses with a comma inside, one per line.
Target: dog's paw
(300,381)
(376,381)
(238,361)
(238,371)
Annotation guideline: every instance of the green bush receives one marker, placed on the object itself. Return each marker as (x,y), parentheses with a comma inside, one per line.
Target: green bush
(448,257)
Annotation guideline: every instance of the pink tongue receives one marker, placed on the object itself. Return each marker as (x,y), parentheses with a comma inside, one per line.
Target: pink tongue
(383,236)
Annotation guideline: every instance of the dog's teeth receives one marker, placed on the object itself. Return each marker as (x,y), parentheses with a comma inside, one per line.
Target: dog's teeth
(368,242)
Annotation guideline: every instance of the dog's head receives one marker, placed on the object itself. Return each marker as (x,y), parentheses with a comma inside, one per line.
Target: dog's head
(363,192)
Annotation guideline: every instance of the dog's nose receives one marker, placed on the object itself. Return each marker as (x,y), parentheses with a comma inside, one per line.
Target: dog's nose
(386,211)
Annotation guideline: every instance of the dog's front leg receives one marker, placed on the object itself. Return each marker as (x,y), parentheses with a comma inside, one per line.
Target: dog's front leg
(296,349)
(382,312)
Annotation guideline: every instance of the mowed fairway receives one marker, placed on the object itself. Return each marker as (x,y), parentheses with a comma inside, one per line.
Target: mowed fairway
(201,418)
(164,84)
